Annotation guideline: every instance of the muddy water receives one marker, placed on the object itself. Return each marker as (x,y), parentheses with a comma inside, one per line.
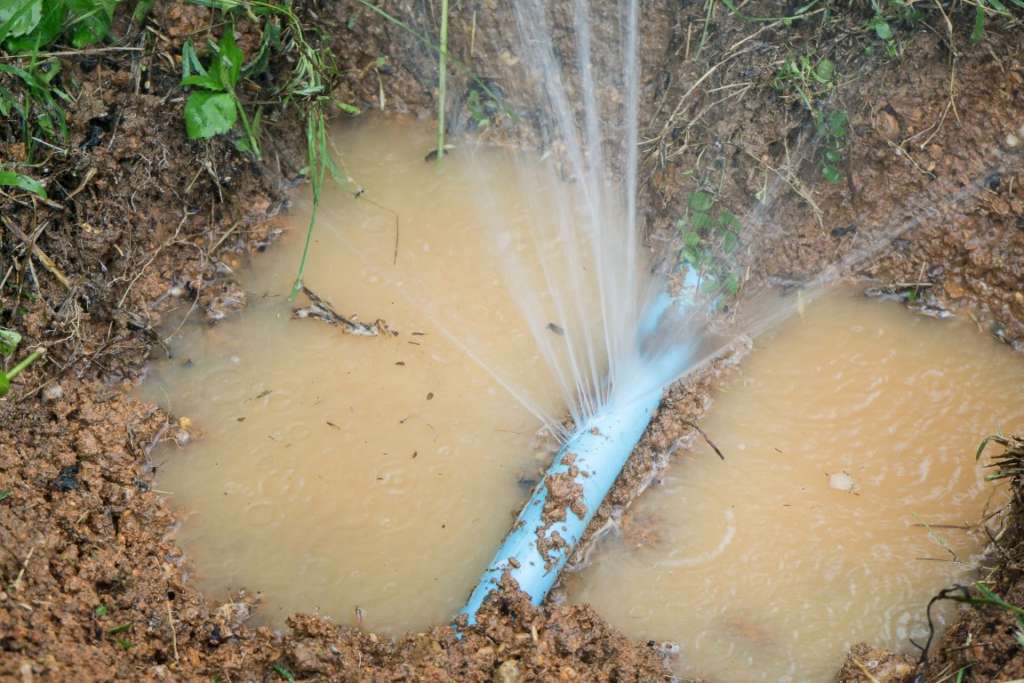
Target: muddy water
(849,435)
(334,472)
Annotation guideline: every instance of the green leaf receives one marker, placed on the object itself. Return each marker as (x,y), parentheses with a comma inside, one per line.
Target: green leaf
(230,58)
(837,122)
(831,173)
(824,71)
(19,17)
(730,242)
(731,285)
(881,27)
(700,220)
(91,20)
(208,114)
(118,629)
(347,108)
(998,6)
(22,182)
(979,23)
(727,220)
(5,384)
(101,611)
(691,240)
(9,340)
(833,156)
(700,201)
(45,32)
(4,495)
(284,673)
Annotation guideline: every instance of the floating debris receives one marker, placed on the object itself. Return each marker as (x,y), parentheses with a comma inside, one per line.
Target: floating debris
(322,310)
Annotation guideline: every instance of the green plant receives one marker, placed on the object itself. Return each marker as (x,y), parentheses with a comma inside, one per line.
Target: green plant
(832,129)
(27,26)
(990,599)
(9,341)
(284,673)
(709,239)
(214,108)
(1009,463)
(22,182)
(35,97)
(31,89)
(442,78)
(308,86)
(805,78)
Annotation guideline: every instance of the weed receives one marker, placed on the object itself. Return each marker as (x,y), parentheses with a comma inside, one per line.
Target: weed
(214,109)
(284,673)
(832,132)
(101,611)
(22,182)
(805,78)
(1009,463)
(32,91)
(442,78)
(709,238)
(9,341)
(4,495)
(308,85)
(990,599)
(118,629)
(124,644)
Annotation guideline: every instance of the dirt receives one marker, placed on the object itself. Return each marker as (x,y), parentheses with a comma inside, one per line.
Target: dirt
(147,226)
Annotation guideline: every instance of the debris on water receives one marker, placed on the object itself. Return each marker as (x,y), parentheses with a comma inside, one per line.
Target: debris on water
(916,296)
(432,154)
(841,481)
(321,309)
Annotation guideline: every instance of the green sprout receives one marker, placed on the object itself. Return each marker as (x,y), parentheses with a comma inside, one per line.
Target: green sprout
(9,341)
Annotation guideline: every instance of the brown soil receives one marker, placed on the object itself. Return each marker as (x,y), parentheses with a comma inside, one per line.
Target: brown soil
(148,225)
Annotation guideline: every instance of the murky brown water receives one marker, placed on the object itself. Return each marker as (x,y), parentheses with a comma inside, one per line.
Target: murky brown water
(336,471)
(846,431)
(331,472)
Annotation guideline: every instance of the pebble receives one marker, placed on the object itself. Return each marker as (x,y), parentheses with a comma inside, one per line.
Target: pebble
(53,393)
(841,481)
(1012,140)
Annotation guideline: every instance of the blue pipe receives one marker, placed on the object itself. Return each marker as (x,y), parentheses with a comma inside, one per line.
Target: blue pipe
(596,452)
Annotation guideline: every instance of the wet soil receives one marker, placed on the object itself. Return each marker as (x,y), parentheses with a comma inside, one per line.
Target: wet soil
(147,223)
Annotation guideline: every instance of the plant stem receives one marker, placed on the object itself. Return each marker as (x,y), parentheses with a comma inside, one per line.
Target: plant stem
(29,360)
(442,69)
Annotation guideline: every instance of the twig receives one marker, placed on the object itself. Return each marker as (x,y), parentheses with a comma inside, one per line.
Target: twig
(174,636)
(71,53)
(38,252)
(706,437)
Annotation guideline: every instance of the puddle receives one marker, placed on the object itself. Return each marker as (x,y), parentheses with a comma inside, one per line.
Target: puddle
(846,431)
(334,472)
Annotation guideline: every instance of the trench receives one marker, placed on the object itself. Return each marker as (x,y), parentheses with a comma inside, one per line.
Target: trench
(369,479)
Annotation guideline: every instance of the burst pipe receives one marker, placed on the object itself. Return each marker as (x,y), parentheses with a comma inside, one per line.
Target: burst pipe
(598,450)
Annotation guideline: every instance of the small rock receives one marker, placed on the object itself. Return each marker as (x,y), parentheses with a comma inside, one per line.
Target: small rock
(53,393)
(181,437)
(67,478)
(1012,140)
(888,125)
(507,672)
(841,481)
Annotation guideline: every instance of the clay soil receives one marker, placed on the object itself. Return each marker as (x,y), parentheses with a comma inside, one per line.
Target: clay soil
(145,226)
